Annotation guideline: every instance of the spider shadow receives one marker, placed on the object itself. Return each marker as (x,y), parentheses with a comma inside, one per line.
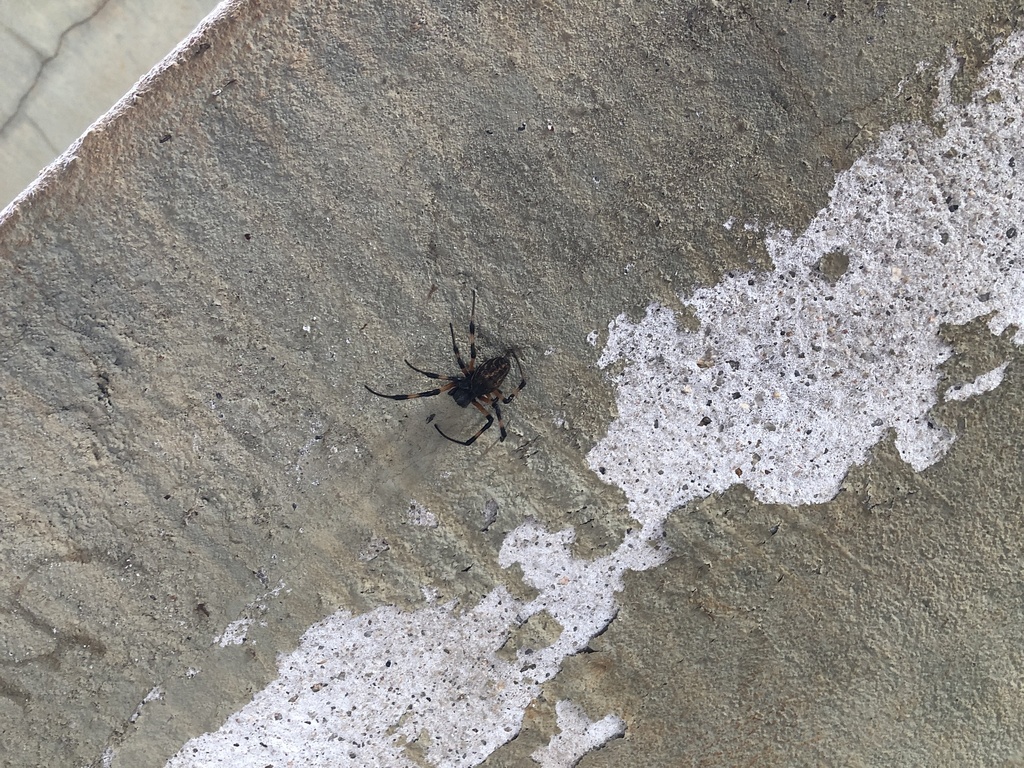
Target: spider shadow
(411,452)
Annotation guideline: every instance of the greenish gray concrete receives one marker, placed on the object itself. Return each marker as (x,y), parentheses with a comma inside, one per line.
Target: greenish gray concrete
(193,304)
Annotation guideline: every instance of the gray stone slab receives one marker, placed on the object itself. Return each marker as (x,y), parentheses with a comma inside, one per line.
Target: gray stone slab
(196,295)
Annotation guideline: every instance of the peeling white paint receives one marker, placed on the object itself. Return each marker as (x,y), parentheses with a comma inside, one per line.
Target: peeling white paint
(577,736)
(984,383)
(359,689)
(789,381)
(234,633)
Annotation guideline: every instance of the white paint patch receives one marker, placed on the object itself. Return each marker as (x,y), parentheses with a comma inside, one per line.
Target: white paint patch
(577,736)
(360,691)
(984,383)
(791,380)
(234,633)
(420,515)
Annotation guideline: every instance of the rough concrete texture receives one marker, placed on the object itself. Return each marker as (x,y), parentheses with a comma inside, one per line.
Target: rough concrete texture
(194,477)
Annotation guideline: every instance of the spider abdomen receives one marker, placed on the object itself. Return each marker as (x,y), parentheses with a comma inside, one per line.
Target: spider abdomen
(481,382)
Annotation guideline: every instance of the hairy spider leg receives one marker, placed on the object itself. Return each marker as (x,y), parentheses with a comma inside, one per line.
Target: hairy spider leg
(490,420)
(467,370)
(414,395)
(501,421)
(458,355)
(508,398)
(428,373)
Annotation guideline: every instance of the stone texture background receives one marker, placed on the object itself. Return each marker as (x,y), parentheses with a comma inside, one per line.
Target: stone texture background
(192,306)
(65,62)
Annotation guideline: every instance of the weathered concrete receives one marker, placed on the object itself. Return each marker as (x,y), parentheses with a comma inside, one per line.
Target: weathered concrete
(310,194)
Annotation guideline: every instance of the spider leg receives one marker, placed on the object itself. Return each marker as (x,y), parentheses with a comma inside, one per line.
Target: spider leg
(508,398)
(428,373)
(414,395)
(458,355)
(487,424)
(501,421)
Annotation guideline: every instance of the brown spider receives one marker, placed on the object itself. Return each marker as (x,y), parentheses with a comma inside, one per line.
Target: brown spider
(479,387)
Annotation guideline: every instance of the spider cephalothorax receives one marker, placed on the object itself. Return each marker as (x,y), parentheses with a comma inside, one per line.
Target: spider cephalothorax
(477,386)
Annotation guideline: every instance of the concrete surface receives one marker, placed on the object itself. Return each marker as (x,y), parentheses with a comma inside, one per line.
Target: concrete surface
(66,62)
(698,226)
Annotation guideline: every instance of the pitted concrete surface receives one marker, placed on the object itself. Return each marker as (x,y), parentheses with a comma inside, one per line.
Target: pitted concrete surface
(194,478)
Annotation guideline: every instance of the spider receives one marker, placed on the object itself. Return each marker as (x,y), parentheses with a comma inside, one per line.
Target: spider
(477,386)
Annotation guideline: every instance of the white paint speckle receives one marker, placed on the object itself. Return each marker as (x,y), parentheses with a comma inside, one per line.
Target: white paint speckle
(154,694)
(234,633)
(418,514)
(373,549)
(984,383)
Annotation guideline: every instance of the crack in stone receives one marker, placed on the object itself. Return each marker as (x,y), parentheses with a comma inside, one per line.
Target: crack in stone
(45,62)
